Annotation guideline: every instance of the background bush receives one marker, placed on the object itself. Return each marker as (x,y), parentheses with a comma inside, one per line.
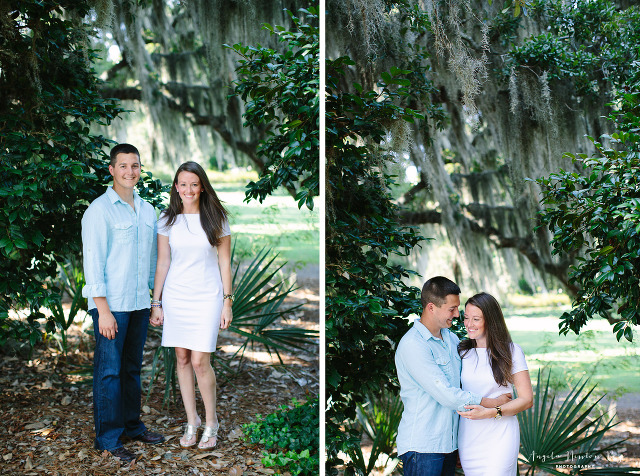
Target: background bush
(294,435)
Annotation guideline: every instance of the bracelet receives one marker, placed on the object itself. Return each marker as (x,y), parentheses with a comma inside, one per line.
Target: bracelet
(153,301)
(156,305)
(228,296)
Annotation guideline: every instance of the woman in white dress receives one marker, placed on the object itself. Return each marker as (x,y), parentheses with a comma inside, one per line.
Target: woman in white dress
(489,438)
(192,295)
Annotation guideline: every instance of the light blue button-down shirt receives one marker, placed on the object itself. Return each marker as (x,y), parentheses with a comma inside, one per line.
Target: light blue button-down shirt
(429,374)
(120,251)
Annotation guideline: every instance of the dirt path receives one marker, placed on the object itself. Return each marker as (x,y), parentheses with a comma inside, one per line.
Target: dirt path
(47,420)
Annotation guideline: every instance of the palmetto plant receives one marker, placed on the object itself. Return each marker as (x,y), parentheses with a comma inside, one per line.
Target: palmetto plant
(568,436)
(258,303)
(379,417)
(71,280)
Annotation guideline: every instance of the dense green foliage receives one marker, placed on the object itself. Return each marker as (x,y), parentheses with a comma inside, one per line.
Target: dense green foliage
(294,435)
(592,44)
(281,91)
(51,166)
(590,49)
(596,216)
(367,298)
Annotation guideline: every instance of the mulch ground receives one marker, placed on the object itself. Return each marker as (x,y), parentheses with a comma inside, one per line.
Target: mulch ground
(47,417)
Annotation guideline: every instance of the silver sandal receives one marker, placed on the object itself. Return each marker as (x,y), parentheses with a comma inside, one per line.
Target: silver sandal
(191,431)
(209,432)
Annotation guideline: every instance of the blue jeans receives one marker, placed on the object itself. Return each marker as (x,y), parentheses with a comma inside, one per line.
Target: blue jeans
(429,464)
(116,379)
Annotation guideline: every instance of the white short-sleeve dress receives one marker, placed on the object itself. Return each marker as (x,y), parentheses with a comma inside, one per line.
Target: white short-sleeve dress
(488,447)
(192,296)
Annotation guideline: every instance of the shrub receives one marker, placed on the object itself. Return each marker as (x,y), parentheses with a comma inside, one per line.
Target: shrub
(294,435)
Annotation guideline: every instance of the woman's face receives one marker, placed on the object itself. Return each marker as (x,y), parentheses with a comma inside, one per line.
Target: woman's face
(474,322)
(189,187)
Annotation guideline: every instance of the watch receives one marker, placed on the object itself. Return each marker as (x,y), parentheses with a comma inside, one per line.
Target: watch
(499,414)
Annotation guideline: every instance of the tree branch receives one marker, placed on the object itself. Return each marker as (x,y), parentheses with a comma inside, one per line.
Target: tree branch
(413,191)
(217,123)
(524,245)
(111,73)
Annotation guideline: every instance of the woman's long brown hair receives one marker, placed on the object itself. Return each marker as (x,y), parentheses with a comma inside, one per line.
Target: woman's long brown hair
(212,212)
(498,338)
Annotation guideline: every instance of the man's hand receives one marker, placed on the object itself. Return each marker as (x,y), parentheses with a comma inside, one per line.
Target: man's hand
(496,402)
(107,325)
(502,399)
(157,316)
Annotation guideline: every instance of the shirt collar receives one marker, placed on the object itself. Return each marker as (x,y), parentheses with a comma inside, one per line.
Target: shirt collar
(114,197)
(426,333)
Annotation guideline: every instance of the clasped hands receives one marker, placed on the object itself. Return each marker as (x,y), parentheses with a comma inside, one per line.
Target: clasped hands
(478,412)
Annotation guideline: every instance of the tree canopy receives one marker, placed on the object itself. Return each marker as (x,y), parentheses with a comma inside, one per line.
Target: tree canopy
(173,67)
(516,93)
(367,297)
(281,95)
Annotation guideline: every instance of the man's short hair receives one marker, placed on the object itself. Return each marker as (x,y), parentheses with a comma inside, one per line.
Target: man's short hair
(122,149)
(437,289)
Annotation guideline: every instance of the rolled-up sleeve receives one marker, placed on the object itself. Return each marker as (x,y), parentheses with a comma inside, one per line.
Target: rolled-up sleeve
(154,253)
(94,249)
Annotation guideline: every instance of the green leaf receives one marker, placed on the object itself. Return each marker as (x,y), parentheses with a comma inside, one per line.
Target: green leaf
(20,243)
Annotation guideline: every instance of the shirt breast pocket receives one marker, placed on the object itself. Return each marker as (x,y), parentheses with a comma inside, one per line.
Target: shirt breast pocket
(123,233)
(444,363)
(148,231)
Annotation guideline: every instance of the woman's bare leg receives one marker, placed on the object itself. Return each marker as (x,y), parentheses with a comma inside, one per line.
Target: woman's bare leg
(207,384)
(184,369)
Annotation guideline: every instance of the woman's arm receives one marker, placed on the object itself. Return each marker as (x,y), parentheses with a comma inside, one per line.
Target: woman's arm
(522,382)
(162,268)
(224,262)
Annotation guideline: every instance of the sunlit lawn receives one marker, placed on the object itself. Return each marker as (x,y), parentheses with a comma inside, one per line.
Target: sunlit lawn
(594,353)
(276,223)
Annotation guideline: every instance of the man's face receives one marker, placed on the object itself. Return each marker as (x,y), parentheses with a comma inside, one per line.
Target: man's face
(445,314)
(126,172)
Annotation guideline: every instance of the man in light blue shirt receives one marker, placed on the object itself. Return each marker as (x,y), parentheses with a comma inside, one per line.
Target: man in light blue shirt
(428,367)
(119,251)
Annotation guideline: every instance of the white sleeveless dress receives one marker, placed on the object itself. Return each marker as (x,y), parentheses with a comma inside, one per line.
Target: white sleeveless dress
(488,447)
(192,296)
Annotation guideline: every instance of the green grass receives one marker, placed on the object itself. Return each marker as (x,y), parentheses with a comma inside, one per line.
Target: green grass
(276,223)
(595,353)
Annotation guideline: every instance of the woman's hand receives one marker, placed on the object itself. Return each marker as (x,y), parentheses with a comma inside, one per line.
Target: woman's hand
(227,316)
(478,412)
(157,316)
